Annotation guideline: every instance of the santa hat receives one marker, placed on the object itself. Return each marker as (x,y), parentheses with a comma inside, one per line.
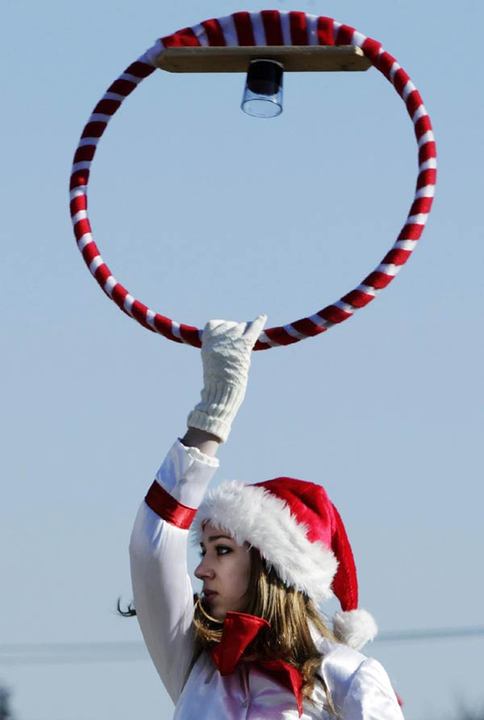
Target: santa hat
(299,532)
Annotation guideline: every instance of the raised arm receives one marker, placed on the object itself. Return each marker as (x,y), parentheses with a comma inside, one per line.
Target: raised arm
(162,589)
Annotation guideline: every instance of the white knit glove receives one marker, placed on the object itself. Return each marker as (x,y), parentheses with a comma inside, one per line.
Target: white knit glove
(226,352)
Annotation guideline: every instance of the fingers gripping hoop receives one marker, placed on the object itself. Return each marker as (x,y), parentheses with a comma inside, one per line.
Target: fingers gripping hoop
(263,29)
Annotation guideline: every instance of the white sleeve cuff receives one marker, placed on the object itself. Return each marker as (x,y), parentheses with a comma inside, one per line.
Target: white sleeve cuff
(185,473)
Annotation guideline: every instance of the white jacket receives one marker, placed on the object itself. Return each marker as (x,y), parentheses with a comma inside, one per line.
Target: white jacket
(163,598)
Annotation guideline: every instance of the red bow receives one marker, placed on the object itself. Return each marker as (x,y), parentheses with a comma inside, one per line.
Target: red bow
(238,631)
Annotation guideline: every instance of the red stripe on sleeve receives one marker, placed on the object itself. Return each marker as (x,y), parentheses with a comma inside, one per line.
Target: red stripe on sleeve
(325,31)
(163,325)
(357,298)
(422,126)
(169,509)
(272,27)
(122,87)
(243,26)
(140,69)
(371,48)
(334,314)
(84,153)
(345,35)
(107,107)
(182,38)
(78,203)
(279,335)
(299,28)
(119,295)
(214,33)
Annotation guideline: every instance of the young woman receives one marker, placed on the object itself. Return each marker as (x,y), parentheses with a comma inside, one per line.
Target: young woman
(254,646)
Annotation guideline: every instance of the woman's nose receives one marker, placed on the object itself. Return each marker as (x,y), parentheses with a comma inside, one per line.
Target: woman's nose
(204,570)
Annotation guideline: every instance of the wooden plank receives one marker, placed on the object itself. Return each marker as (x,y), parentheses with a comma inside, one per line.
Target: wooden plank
(300,58)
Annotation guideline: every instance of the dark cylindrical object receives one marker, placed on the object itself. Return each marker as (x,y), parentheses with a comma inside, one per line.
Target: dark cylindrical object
(263,89)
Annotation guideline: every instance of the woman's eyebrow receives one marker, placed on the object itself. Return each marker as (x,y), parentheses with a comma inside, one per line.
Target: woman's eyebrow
(217,537)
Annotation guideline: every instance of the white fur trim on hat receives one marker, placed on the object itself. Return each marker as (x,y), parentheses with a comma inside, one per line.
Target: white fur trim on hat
(354,627)
(254,515)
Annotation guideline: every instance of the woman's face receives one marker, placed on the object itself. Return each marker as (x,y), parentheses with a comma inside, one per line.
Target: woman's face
(225,570)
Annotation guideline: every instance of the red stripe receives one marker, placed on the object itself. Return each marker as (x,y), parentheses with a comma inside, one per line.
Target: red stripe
(357,298)
(299,28)
(169,509)
(426,177)
(243,26)
(190,334)
(413,102)
(280,336)
(427,151)
(378,280)
(140,69)
(325,30)
(345,35)
(89,252)
(371,48)
(107,107)
(78,203)
(139,310)
(81,228)
(84,153)
(272,27)
(79,177)
(122,87)
(214,33)
(411,231)
(384,63)
(94,129)
(422,126)
(421,205)
(396,257)
(400,79)
(118,294)
(307,327)
(163,325)
(182,38)
(334,314)
(102,274)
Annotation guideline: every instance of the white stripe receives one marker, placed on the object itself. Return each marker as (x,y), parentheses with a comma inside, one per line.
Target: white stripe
(405,244)
(128,303)
(336,27)
(267,341)
(78,191)
(394,69)
(229,30)
(426,137)
(84,165)
(100,117)
(200,33)
(130,78)
(429,164)
(367,290)
(109,285)
(409,88)
(358,38)
(258,27)
(79,215)
(389,269)
(419,112)
(175,328)
(95,263)
(114,96)
(344,306)
(293,332)
(150,318)
(286,30)
(419,219)
(84,240)
(318,320)
(312,21)
(88,141)
(152,53)
(427,191)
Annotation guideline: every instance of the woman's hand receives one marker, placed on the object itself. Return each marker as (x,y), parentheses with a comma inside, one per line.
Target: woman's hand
(226,353)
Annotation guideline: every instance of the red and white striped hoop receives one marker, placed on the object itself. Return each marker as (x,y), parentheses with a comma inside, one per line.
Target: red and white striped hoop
(268,27)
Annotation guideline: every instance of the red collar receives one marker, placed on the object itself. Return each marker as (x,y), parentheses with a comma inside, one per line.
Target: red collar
(239,630)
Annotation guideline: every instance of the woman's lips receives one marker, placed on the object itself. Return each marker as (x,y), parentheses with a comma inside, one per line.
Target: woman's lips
(209,594)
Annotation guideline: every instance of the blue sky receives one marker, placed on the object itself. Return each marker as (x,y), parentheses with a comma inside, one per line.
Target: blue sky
(203,212)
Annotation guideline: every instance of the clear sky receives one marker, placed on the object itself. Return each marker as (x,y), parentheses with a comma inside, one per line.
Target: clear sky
(203,212)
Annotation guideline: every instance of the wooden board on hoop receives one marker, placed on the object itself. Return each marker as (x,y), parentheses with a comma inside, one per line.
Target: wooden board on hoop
(294,58)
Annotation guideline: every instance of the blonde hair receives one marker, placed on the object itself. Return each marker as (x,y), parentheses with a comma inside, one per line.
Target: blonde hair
(288,611)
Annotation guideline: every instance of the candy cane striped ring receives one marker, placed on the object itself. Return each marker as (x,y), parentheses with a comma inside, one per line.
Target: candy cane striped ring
(269,27)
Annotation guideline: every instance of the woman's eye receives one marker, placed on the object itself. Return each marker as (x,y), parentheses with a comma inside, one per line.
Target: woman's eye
(223,550)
